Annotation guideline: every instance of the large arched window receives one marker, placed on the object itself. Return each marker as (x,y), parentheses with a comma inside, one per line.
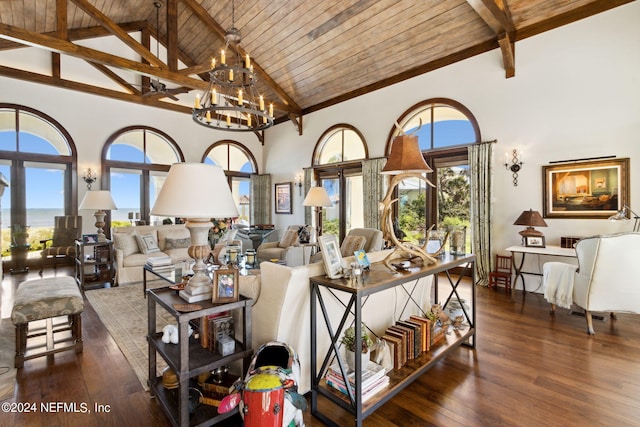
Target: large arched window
(444,128)
(135,162)
(337,162)
(238,164)
(38,157)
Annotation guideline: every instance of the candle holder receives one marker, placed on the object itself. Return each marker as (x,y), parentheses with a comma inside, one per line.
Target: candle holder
(515,166)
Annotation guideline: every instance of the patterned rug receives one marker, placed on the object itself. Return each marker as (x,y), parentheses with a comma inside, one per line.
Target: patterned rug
(123,311)
(7,359)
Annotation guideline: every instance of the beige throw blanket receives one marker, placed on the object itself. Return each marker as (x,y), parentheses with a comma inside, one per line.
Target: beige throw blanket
(558,283)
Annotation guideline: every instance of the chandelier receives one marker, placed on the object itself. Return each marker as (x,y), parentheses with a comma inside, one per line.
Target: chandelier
(231,101)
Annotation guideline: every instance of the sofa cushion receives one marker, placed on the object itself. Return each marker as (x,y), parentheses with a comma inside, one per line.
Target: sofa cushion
(176,243)
(172,232)
(126,242)
(289,238)
(350,244)
(138,260)
(147,243)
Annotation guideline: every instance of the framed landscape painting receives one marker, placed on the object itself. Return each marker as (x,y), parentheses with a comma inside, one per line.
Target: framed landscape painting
(591,189)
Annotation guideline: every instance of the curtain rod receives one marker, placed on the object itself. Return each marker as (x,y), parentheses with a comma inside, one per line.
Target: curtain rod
(583,160)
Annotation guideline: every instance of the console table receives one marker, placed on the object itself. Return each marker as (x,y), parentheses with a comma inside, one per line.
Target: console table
(379,279)
(524,250)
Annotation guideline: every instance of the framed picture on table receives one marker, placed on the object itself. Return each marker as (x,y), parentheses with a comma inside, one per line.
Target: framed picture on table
(331,256)
(225,285)
(534,241)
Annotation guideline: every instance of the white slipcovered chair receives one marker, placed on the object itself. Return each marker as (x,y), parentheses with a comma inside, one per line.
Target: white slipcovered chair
(606,279)
(286,249)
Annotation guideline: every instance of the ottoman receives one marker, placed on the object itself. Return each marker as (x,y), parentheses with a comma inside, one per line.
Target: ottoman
(42,301)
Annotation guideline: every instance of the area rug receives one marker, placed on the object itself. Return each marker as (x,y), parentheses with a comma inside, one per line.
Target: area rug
(123,311)
(7,359)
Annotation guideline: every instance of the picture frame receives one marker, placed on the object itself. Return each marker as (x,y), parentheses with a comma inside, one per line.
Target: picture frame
(534,241)
(89,239)
(588,189)
(331,256)
(362,259)
(225,285)
(283,203)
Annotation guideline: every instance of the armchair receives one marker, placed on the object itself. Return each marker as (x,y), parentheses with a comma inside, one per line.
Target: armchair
(287,249)
(606,278)
(66,229)
(352,242)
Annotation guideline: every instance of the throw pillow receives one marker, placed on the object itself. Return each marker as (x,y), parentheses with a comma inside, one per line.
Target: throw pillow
(126,242)
(350,244)
(289,238)
(147,244)
(175,243)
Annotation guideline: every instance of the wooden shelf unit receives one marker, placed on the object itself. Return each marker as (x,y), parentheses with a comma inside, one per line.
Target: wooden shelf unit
(101,263)
(187,358)
(378,280)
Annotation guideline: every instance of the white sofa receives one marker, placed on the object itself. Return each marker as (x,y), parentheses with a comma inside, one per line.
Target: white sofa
(606,279)
(282,310)
(129,257)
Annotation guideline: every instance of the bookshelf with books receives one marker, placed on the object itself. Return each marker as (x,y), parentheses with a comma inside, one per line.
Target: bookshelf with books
(414,342)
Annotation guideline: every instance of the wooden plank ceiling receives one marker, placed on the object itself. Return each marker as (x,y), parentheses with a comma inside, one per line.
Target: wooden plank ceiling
(309,54)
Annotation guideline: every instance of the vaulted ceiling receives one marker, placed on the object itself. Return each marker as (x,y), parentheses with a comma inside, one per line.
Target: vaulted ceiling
(308,54)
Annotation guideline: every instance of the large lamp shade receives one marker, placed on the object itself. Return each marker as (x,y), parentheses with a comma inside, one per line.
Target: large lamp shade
(197,192)
(100,201)
(530,219)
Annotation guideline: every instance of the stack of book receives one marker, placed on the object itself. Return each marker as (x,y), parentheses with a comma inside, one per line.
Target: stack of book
(160,263)
(373,380)
(409,338)
(214,327)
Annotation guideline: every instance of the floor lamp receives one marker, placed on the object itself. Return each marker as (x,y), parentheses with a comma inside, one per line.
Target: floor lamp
(318,198)
(197,192)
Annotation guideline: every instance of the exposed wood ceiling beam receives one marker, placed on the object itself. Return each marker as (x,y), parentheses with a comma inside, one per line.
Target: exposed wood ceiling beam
(172,34)
(53,44)
(496,14)
(203,15)
(115,29)
(82,87)
(116,78)
(62,32)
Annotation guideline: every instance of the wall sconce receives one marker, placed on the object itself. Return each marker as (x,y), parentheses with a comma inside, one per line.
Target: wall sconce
(298,181)
(514,166)
(89,177)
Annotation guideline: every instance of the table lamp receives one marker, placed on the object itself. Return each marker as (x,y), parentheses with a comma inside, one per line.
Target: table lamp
(623,215)
(530,219)
(197,192)
(318,198)
(100,201)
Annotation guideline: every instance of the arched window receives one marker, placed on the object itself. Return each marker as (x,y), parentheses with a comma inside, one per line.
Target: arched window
(135,162)
(238,164)
(444,128)
(338,168)
(38,157)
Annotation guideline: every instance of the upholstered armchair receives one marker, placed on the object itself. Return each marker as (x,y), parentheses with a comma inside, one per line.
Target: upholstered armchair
(286,249)
(606,279)
(367,239)
(66,229)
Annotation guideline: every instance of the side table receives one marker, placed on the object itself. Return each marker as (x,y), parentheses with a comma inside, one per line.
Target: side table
(96,267)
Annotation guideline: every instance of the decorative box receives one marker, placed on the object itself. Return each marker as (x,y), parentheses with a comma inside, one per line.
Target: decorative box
(226,345)
(569,242)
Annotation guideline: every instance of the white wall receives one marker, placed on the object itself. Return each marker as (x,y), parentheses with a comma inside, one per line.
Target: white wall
(576,94)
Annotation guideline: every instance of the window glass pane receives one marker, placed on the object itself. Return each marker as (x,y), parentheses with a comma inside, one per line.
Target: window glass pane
(332,149)
(412,209)
(128,147)
(451,128)
(241,190)
(218,156)
(125,190)
(5,202)
(353,146)
(156,181)
(412,125)
(454,202)
(159,150)
(8,130)
(40,136)
(45,199)
(331,216)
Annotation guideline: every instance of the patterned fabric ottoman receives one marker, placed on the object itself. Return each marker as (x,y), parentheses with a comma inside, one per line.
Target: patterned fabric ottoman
(44,300)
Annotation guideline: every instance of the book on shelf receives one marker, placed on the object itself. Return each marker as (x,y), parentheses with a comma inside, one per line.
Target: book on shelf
(402,345)
(416,334)
(373,380)
(219,327)
(394,349)
(426,331)
(406,344)
(205,325)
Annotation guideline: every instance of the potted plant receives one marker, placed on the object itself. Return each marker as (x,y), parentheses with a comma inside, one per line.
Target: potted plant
(349,341)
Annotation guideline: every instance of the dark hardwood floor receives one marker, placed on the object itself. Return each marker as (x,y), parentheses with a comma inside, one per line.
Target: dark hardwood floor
(528,369)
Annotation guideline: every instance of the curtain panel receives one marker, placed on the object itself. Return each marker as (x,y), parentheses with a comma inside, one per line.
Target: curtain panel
(374,186)
(481,182)
(261,199)
(308,180)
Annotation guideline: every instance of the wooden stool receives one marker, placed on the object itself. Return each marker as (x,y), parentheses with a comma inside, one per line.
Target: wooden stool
(46,299)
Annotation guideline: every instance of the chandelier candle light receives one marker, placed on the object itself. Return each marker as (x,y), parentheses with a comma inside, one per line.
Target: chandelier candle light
(232,101)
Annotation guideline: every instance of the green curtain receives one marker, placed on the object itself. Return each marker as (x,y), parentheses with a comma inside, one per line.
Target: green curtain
(374,186)
(261,199)
(481,180)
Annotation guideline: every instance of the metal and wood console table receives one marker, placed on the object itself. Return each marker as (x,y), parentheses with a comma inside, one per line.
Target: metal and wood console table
(524,250)
(380,279)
